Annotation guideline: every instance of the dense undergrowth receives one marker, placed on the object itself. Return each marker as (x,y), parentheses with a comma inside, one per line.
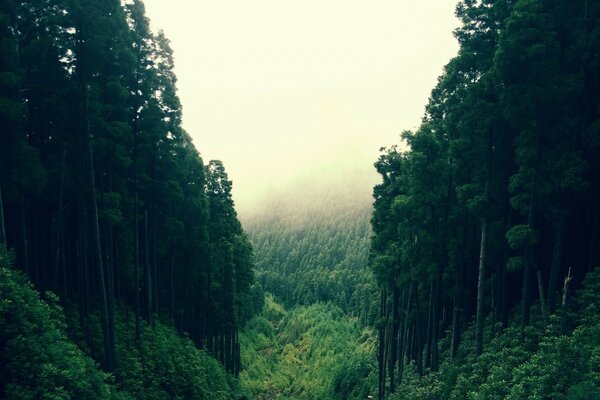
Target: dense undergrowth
(537,363)
(308,352)
(40,357)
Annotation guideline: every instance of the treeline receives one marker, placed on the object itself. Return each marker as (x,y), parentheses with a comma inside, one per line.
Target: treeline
(491,216)
(103,196)
(313,247)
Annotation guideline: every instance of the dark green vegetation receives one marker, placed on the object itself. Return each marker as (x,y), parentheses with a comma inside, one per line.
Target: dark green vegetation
(485,235)
(489,221)
(309,352)
(312,244)
(105,202)
(311,247)
(39,361)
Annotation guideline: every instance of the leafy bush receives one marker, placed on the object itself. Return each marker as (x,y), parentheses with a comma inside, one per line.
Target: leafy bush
(37,360)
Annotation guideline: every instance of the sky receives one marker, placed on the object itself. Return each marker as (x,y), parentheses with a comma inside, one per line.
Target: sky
(280,90)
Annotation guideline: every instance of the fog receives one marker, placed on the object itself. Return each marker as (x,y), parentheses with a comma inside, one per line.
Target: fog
(290,92)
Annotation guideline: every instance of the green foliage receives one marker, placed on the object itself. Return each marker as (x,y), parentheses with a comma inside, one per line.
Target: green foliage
(37,360)
(306,253)
(487,205)
(167,365)
(520,237)
(517,365)
(104,197)
(309,352)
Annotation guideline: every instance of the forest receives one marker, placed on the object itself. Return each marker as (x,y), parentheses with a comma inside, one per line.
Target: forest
(469,270)
(486,223)
(314,338)
(141,272)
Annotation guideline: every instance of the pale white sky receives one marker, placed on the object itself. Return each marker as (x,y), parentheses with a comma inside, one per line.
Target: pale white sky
(278,89)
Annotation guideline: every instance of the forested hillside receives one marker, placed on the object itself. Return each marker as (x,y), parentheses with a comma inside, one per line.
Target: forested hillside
(487,224)
(311,244)
(105,201)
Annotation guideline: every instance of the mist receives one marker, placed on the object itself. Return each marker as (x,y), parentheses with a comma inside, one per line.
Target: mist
(286,91)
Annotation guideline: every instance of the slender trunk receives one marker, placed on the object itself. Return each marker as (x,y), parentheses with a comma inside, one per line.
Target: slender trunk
(238,354)
(483,249)
(108,347)
(555,268)
(87,138)
(593,243)
(394,338)
(148,269)
(400,341)
(222,348)
(493,312)
(154,266)
(458,292)
(137,282)
(480,283)
(429,333)
(2,227)
(525,306)
(436,320)
(504,273)
(65,278)
(59,225)
(136,211)
(25,240)
(542,300)
(456,316)
(530,252)
(110,264)
(418,334)
(381,352)
(172,282)
(82,270)
(565,297)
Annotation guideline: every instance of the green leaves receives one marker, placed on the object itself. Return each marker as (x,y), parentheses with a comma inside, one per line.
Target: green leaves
(39,361)
(520,237)
(310,352)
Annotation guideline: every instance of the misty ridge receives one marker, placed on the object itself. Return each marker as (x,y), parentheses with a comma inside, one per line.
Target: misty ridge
(313,197)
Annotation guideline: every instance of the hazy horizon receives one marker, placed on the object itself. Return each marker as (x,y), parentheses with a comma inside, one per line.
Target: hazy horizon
(279,91)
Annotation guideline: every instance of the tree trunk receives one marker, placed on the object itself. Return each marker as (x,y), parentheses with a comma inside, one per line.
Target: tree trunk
(542,300)
(154,266)
(25,241)
(556,258)
(137,278)
(59,227)
(565,297)
(483,248)
(458,292)
(2,227)
(381,352)
(148,269)
(108,347)
(394,338)
(87,138)
(418,334)
(436,320)
(429,333)
(172,282)
(530,252)
(405,335)
(480,283)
